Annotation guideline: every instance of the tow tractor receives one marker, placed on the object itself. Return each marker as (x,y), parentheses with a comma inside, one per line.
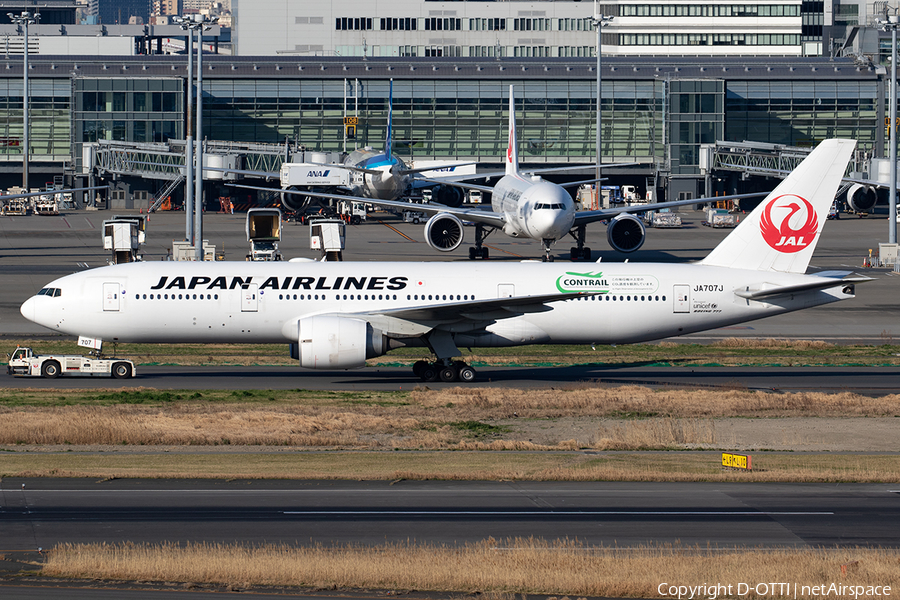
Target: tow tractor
(25,363)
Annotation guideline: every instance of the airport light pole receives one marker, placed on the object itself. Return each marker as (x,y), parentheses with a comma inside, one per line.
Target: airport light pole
(205,23)
(25,19)
(185,23)
(891,23)
(599,21)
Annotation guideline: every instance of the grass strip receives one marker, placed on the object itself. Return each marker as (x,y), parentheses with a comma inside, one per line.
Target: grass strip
(459,465)
(517,566)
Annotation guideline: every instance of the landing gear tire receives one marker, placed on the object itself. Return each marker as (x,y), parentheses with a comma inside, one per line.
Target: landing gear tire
(580,253)
(419,367)
(466,374)
(449,374)
(481,253)
(546,258)
(430,373)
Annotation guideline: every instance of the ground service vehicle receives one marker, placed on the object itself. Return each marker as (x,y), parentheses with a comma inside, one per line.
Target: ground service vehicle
(26,363)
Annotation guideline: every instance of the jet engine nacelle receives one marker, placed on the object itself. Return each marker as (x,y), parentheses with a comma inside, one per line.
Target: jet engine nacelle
(861,198)
(625,233)
(447,195)
(328,342)
(444,232)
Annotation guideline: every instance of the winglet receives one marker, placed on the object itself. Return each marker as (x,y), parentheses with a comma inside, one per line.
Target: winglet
(512,152)
(782,232)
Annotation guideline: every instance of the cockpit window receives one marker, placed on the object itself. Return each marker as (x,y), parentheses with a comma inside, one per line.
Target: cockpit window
(52,292)
(542,205)
(43,292)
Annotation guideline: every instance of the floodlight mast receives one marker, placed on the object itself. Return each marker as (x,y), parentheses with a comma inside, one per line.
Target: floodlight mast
(204,23)
(25,19)
(193,23)
(599,21)
(890,23)
(185,24)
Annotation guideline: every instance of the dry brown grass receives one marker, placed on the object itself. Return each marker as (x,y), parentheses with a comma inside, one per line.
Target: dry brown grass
(595,399)
(514,566)
(627,417)
(773,343)
(654,434)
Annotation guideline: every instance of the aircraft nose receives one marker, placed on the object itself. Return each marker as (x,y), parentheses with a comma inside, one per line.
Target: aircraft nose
(27,309)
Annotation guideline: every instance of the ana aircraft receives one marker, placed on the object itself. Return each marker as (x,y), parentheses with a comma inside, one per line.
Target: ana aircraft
(335,315)
(375,175)
(527,206)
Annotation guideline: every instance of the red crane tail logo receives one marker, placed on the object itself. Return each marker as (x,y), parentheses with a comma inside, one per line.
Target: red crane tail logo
(783,237)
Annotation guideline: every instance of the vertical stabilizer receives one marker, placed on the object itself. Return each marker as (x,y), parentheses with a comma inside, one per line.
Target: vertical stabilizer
(389,138)
(512,152)
(782,232)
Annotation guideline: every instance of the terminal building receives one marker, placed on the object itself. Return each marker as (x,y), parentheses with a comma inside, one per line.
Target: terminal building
(659,112)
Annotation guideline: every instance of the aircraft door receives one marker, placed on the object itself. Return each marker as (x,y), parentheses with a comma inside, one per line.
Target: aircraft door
(111,296)
(506,290)
(249,297)
(682,297)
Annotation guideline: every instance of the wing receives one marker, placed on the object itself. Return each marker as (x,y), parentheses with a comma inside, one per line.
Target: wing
(421,182)
(485,217)
(591,216)
(499,173)
(460,316)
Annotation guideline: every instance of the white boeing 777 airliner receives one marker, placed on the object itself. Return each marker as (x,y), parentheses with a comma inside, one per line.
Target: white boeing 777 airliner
(336,314)
(523,205)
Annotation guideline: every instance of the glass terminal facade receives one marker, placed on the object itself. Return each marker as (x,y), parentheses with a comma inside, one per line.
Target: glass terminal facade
(654,111)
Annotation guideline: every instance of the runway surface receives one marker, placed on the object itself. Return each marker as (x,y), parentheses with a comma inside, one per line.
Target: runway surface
(871,381)
(50,511)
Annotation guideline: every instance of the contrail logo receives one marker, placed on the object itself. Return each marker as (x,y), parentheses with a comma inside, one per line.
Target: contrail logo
(582,282)
(784,237)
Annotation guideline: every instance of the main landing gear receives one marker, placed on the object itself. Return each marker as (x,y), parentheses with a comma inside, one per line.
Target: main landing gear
(444,370)
(478,250)
(580,251)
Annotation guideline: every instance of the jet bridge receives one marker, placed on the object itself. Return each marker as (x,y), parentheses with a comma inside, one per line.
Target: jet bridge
(751,158)
(778,160)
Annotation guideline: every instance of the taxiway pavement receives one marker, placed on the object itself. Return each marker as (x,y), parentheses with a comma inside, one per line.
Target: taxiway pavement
(871,381)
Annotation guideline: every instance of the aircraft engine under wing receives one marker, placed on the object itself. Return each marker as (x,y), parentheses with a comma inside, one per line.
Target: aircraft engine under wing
(625,233)
(861,198)
(448,195)
(444,232)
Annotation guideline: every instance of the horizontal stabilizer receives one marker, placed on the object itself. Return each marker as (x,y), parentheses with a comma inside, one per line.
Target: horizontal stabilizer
(822,281)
